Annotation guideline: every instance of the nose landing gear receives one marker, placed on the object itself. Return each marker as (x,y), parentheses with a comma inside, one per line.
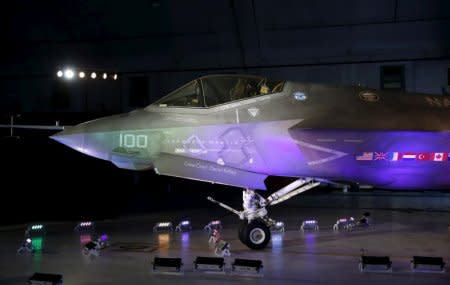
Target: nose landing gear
(254,231)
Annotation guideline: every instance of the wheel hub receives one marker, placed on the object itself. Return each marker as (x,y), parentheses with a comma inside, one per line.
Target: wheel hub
(257,236)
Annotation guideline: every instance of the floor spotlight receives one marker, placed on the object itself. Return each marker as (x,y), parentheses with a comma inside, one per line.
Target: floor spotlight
(45,278)
(85,226)
(166,265)
(344,224)
(163,226)
(278,227)
(183,226)
(427,264)
(213,225)
(35,230)
(247,265)
(209,263)
(310,225)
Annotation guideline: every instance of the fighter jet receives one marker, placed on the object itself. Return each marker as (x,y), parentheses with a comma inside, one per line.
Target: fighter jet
(241,130)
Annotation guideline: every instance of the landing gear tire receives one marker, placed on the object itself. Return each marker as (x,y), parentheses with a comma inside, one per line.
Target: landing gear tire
(242,228)
(256,235)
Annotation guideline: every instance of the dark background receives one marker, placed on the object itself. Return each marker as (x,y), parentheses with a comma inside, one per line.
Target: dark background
(155,46)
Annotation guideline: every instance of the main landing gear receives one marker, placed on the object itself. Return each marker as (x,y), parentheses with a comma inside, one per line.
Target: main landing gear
(254,230)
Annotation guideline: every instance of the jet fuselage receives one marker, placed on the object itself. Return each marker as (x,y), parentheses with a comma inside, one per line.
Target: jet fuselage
(345,134)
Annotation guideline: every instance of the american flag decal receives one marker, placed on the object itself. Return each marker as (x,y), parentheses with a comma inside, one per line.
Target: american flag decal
(365,156)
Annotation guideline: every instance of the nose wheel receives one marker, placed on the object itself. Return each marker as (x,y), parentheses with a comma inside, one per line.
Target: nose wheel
(255,235)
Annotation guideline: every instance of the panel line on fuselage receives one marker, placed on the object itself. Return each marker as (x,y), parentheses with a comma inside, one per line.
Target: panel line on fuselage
(336,154)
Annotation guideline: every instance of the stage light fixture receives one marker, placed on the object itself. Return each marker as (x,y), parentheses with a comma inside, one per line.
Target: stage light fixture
(81,74)
(45,278)
(93,75)
(344,224)
(167,265)
(35,230)
(163,226)
(213,225)
(277,227)
(68,74)
(59,73)
(183,226)
(85,227)
(310,225)
(427,264)
(252,266)
(37,227)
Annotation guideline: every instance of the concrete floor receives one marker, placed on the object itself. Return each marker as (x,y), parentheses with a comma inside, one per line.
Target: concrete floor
(293,257)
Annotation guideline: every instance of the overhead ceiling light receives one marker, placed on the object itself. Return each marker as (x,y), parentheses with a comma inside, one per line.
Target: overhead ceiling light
(105,75)
(81,74)
(115,76)
(93,75)
(59,73)
(68,73)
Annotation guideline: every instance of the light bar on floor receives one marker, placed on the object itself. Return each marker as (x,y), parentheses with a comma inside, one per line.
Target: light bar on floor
(163,226)
(183,226)
(277,227)
(35,230)
(213,225)
(37,227)
(344,224)
(85,226)
(310,225)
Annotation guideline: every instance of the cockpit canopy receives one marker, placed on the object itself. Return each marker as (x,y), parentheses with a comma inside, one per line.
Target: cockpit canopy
(213,90)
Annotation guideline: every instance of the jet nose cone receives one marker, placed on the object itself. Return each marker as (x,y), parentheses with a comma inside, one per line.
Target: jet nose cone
(72,137)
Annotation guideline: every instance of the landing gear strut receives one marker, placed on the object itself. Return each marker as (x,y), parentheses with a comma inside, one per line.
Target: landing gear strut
(254,231)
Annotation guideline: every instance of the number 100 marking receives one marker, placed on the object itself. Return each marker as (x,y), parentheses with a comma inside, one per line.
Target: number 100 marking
(132,140)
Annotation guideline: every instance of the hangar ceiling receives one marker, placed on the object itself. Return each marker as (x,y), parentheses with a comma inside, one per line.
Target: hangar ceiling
(176,34)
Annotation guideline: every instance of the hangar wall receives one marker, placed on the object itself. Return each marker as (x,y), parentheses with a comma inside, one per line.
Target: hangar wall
(170,42)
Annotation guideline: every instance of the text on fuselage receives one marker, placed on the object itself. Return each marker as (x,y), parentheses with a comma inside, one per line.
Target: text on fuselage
(133,140)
